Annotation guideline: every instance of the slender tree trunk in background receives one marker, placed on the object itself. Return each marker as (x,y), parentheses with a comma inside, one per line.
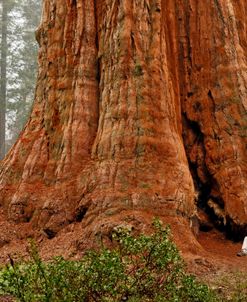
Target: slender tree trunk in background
(137,103)
(3,78)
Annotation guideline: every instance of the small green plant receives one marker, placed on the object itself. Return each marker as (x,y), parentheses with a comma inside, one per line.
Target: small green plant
(139,269)
(138,70)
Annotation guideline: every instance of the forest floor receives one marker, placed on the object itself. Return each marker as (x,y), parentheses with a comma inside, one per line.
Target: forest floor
(222,250)
(214,261)
(218,265)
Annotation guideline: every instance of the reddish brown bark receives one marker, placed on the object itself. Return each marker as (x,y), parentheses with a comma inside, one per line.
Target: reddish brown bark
(125,89)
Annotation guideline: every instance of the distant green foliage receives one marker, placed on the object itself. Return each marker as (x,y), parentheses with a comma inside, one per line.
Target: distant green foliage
(138,269)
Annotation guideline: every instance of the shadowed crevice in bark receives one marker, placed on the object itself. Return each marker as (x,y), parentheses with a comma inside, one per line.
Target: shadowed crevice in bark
(208,195)
(50,233)
(80,213)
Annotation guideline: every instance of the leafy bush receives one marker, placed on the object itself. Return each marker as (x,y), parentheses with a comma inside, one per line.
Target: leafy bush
(144,268)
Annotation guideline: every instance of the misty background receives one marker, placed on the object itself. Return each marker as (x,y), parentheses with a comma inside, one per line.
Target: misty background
(18,52)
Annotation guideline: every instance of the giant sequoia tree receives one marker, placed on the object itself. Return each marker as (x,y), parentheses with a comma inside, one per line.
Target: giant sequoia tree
(139,105)
(3,80)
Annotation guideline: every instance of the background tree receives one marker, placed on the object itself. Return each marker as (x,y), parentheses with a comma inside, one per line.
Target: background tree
(22,67)
(3,84)
(22,19)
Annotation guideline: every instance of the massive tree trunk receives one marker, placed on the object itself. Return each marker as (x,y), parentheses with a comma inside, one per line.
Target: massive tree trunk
(139,104)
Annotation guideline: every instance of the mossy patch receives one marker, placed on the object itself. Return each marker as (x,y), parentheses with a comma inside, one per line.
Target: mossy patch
(138,70)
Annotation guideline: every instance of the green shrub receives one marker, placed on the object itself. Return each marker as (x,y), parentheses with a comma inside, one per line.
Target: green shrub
(144,268)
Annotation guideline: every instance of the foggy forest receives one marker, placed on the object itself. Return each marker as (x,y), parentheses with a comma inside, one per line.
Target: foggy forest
(19,51)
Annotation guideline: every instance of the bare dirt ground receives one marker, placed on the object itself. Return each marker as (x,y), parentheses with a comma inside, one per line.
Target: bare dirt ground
(219,257)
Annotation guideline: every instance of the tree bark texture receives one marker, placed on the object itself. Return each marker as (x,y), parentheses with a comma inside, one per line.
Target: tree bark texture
(140,106)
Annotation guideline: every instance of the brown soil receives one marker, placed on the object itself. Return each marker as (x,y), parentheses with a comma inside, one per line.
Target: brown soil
(6,299)
(219,256)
